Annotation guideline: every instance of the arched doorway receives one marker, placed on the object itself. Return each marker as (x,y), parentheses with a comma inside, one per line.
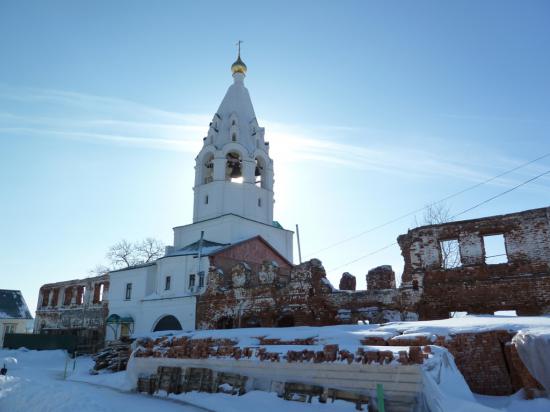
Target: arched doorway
(225,322)
(285,321)
(167,322)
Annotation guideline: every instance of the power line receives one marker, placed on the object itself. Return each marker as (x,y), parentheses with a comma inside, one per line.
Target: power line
(389,222)
(458,214)
(502,193)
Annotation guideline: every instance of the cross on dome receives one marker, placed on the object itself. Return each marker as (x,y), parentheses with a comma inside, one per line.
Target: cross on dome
(238,66)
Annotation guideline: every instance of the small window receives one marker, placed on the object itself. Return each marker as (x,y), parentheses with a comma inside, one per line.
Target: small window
(128,291)
(201,279)
(495,249)
(415,284)
(206,200)
(82,295)
(450,254)
(191,281)
(259,202)
(101,290)
(167,283)
(234,137)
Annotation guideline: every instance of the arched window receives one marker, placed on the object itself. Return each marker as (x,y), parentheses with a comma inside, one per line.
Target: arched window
(208,168)
(167,322)
(260,172)
(233,168)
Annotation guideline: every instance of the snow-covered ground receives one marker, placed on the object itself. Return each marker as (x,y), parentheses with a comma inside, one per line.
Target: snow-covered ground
(35,380)
(35,384)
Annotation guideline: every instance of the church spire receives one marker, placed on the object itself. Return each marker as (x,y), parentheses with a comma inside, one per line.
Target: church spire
(238,66)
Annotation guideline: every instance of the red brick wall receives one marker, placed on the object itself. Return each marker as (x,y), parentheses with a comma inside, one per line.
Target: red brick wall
(521,284)
(252,251)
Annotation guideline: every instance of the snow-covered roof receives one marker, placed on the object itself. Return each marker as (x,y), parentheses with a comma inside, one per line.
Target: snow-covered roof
(237,101)
(12,305)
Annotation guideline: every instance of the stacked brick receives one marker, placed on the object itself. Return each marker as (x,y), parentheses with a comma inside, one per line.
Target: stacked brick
(185,348)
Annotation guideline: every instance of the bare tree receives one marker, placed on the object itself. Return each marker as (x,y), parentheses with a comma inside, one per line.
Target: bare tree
(122,254)
(149,250)
(125,254)
(98,270)
(436,214)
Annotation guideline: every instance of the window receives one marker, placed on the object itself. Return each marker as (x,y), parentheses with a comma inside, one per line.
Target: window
(259,202)
(9,328)
(201,279)
(234,137)
(101,290)
(191,281)
(450,254)
(167,283)
(206,200)
(83,292)
(495,249)
(45,297)
(128,291)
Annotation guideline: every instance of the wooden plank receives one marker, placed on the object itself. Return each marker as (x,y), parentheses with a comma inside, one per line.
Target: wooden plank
(397,380)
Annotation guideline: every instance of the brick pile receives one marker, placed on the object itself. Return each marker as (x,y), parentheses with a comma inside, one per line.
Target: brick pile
(185,348)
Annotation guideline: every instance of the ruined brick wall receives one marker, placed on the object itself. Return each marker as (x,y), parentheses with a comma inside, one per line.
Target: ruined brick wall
(78,307)
(381,277)
(243,294)
(347,282)
(476,285)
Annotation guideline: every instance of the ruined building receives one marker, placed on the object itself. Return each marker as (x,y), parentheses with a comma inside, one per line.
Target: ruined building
(480,265)
(76,307)
(450,267)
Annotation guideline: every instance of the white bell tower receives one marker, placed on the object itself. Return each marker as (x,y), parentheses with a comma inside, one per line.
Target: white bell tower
(233,171)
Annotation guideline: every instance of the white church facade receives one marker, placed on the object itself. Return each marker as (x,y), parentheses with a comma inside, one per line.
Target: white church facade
(233,203)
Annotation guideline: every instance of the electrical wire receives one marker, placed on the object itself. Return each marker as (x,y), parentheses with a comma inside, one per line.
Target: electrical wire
(458,214)
(372,229)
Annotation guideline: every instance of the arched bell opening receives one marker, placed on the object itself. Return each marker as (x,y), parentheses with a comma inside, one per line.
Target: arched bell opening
(260,173)
(208,168)
(234,167)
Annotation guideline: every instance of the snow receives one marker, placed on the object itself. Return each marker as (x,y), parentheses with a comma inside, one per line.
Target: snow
(533,347)
(35,379)
(469,324)
(36,384)
(350,335)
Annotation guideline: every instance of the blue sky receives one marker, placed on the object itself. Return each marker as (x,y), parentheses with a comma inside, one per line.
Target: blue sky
(372,109)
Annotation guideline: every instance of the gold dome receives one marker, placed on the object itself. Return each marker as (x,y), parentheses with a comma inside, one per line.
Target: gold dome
(238,66)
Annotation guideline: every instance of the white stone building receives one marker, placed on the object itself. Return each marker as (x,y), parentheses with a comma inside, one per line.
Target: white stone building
(233,203)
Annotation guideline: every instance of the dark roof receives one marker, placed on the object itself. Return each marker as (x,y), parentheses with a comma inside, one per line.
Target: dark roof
(207,249)
(12,305)
(273,224)
(141,265)
(213,248)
